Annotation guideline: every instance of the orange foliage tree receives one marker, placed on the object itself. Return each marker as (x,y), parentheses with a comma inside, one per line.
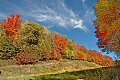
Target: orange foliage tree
(107,60)
(11,25)
(60,42)
(26,58)
(81,51)
(107,25)
(92,55)
(99,58)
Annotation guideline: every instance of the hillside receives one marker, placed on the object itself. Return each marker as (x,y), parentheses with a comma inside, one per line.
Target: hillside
(28,48)
(30,43)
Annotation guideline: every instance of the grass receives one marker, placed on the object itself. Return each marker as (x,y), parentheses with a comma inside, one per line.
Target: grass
(55,70)
(45,68)
(8,62)
(107,73)
(61,76)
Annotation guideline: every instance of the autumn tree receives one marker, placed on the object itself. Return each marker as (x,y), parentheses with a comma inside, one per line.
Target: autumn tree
(71,50)
(107,25)
(61,42)
(34,38)
(9,31)
(26,58)
(107,61)
(11,25)
(81,51)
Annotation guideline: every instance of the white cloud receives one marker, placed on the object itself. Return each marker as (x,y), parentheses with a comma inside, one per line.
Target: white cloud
(92,12)
(83,2)
(55,13)
(88,16)
(79,24)
(58,15)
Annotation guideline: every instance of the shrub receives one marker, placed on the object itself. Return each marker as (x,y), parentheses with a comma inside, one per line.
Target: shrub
(26,58)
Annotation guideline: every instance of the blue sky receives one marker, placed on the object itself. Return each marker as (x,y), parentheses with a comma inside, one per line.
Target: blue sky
(73,18)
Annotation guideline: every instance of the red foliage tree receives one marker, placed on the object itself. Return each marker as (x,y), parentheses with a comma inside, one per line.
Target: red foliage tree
(81,55)
(53,55)
(99,59)
(81,51)
(92,54)
(81,48)
(11,25)
(26,58)
(60,42)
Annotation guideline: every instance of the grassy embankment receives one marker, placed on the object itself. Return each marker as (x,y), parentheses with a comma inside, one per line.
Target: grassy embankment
(44,68)
(105,73)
